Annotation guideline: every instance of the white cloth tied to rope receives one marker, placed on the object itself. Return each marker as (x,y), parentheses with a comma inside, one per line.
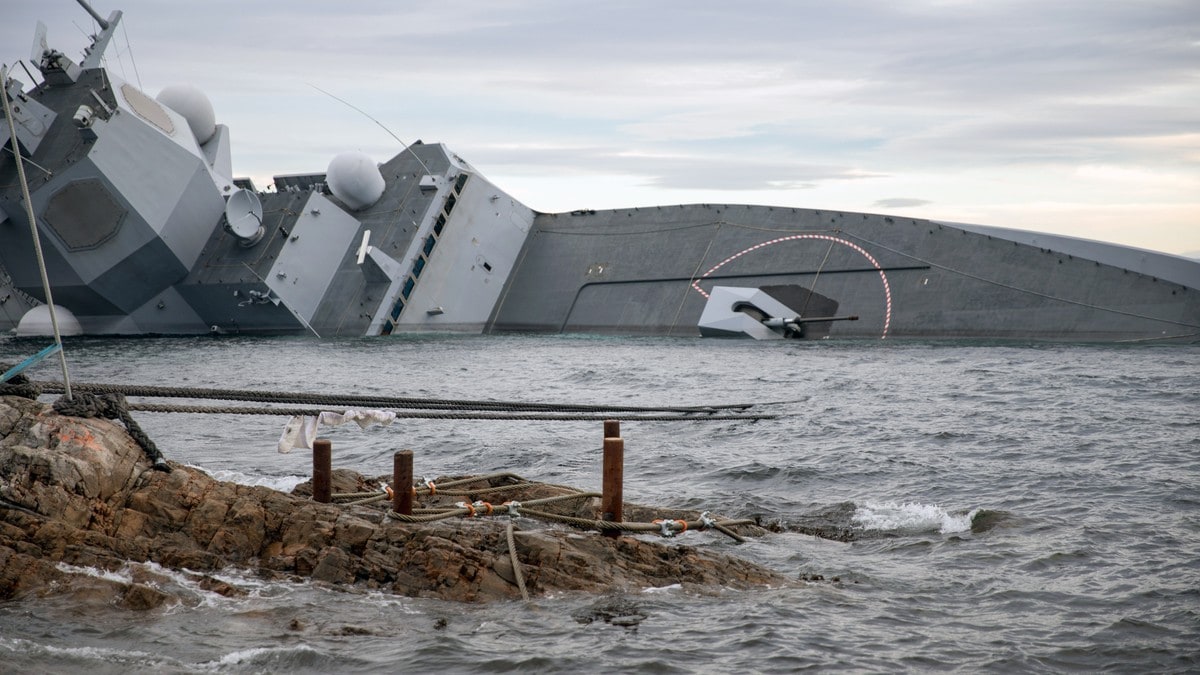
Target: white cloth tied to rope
(301,430)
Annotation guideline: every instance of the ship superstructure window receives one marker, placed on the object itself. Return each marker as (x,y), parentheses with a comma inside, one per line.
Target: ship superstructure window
(424,257)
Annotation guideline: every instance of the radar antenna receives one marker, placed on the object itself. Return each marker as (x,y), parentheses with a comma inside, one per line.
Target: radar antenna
(243,214)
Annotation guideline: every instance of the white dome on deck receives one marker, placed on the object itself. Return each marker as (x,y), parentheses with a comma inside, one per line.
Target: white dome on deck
(195,108)
(354,178)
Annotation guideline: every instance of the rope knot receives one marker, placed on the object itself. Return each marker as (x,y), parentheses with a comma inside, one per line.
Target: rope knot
(19,384)
(86,404)
(114,407)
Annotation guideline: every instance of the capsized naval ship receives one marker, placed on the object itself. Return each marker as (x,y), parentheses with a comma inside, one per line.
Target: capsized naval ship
(144,230)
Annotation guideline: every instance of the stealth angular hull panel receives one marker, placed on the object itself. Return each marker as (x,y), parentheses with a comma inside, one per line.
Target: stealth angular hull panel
(647,271)
(131,209)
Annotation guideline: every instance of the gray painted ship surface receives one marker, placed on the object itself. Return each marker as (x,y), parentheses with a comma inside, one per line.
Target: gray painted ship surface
(145,230)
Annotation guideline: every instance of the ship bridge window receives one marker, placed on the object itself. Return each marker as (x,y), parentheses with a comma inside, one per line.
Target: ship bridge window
(418,266)
(450,202)
(408,288)
(429,242)
(399,307)
(441,222)
(458,184)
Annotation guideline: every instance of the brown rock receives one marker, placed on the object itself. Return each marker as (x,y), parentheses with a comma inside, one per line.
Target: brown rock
(81,491)
(141,597)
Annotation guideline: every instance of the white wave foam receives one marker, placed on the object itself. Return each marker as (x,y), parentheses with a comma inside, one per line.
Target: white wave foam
(280,483)
(120,576)
(256,656)
(911,516)
(103,655)
(185,585)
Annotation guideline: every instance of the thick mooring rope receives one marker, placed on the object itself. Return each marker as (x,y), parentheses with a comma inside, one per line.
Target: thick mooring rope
(515,509)
(352,400)
(516,562)
(449,414)
(405,407)
(478,508)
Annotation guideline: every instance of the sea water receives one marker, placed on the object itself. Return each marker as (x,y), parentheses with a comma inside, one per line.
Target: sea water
(1014,507)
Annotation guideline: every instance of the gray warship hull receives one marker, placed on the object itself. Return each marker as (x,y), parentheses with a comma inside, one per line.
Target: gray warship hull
(145,231)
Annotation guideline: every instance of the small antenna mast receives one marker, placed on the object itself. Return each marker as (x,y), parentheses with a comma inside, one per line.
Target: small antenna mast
(364,114)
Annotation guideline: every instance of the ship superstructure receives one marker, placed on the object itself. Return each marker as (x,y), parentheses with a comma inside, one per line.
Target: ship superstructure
(146,231)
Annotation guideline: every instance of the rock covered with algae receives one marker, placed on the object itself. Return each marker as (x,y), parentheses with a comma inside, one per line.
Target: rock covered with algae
(80,491)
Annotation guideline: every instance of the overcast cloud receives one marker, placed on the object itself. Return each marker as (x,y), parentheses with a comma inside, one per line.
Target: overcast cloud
(1074,117)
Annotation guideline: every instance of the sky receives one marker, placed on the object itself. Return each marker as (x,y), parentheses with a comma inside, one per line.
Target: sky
(1074,117)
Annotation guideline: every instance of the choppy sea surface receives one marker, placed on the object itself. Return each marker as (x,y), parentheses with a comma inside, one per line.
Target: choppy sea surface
(1020,507)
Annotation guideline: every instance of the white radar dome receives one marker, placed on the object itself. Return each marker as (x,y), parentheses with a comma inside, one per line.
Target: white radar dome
(354,178)
(36,322)
(195,108)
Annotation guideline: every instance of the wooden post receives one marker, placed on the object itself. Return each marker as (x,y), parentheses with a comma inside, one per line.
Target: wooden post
(612,428)
(402,480)
(611,491)
(322,470)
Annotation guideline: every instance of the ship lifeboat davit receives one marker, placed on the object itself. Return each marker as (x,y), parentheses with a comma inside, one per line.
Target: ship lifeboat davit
(354,178)
(36,322)
(195,108)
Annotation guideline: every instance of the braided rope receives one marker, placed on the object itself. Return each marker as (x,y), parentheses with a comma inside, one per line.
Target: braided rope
(516,564)
(350,400)
(450,415)
(111,406)
(19,384)
(665,527)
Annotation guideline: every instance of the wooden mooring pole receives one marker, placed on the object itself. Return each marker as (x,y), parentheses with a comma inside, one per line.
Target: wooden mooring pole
(322,471)
(612,428)
(614,474)
(402,482)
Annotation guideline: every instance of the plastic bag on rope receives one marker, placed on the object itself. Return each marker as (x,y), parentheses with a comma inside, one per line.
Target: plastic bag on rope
(301,430)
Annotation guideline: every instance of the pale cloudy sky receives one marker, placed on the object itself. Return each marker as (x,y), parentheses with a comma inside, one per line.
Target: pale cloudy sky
(1078,117)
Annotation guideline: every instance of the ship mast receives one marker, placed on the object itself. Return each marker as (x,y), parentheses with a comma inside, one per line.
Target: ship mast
(95,52)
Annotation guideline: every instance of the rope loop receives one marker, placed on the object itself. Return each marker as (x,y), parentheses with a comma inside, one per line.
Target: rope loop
(19,384)
(111,406)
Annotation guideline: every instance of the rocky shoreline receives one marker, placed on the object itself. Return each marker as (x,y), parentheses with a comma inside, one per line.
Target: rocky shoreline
(80,492)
